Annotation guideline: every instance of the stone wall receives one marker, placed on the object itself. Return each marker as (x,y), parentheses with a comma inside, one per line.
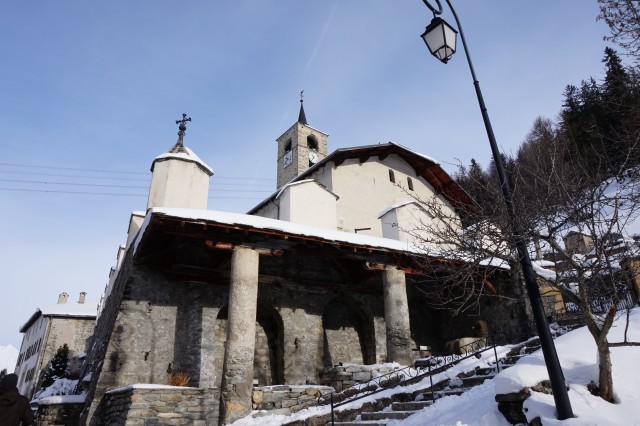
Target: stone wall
(132,406)
(58,414)
(287,399)
(341,377)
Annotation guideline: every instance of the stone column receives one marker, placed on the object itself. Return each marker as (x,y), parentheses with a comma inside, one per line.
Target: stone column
(396,315)
(237,373)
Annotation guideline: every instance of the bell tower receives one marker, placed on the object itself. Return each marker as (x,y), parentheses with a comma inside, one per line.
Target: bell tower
(299,148)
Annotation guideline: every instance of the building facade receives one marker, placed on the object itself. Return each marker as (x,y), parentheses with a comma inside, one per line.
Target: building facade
(320,273)
(48,329)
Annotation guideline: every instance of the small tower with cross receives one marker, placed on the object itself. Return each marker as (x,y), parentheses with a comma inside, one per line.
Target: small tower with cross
(179,177)
(299,148)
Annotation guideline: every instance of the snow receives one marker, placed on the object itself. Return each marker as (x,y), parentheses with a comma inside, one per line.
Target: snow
(59,388)
(8,358)
(477,407)
(188,156)
(147,386)
(396,206)
(259,222)
(87,309)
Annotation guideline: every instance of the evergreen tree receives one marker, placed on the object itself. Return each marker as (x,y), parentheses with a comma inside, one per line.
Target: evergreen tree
(57,366)
(3,373)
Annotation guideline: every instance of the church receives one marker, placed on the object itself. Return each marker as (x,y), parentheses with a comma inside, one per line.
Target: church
(320,273)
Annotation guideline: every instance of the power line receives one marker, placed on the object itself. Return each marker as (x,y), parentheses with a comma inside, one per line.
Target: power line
(118,172)
(263,191)
(71,168)
(111,193)
(72,176)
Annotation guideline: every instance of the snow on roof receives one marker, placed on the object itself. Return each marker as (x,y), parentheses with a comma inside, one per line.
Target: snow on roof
(187,156)
(89,309)
(260,222)
(426,157)
(292,183)
(395,206)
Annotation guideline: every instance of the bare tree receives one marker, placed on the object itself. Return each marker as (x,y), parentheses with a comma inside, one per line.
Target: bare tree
(623,19)
(556,194)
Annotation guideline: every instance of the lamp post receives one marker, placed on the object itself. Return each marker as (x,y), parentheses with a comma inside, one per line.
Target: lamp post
(440,38)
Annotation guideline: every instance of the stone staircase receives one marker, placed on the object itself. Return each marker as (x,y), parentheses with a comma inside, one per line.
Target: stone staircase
(451,387)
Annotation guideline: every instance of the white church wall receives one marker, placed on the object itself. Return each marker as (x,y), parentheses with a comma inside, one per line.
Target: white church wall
(365,189)
(178,183)
(308,203)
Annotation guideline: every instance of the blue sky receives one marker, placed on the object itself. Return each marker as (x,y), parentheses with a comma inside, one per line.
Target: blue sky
(90,92)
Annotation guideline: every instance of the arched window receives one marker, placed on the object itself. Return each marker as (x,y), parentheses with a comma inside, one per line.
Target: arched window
(392,176)
(287,146)
(312,143)
(410,184)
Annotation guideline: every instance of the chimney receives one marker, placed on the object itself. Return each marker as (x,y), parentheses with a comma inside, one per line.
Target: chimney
(82,296)
(62,298)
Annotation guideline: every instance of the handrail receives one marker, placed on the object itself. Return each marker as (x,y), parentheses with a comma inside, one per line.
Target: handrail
(402,376)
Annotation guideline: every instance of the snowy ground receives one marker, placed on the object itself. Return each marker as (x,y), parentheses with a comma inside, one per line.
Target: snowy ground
(577,353)
(8,358)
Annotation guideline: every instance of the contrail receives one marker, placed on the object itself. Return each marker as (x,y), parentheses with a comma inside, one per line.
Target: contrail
(322,34)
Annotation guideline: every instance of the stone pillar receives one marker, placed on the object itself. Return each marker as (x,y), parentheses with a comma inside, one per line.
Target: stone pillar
(237,373)
(396,315)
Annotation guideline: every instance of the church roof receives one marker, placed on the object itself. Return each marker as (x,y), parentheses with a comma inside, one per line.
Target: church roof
(424,166)
(302,118)
(181,152)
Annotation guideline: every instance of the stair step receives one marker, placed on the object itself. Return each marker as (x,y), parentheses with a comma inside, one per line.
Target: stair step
(475,380)
(426,396)
(389,415)
(530,350)
(486,371)
(410,406)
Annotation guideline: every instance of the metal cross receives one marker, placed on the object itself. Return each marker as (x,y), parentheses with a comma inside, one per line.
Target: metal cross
(182,127)
(301,96)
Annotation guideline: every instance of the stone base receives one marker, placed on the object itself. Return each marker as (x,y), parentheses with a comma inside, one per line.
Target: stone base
(161,406)
(510,405)
(58,414)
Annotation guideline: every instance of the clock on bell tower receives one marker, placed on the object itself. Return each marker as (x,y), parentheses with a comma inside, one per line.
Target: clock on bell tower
(299,148)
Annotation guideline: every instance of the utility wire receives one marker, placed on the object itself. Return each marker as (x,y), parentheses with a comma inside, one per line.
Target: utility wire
(117,171)
(111,193)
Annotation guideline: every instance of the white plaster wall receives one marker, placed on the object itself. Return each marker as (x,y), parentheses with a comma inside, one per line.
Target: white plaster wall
(35,335)
(364,190)
(135,222)
(308,203)
(412,224)
(178,183)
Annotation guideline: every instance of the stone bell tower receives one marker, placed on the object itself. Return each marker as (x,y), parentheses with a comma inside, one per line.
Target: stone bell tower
(299,148)
(179,177)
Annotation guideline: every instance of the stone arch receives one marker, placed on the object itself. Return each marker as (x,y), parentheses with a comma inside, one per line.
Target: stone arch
(348,332)
(312,143)
(268,361)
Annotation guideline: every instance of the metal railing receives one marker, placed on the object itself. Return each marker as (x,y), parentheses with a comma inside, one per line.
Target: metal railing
(433,364)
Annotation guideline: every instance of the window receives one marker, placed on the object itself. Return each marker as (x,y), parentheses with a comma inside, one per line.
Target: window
(288,155)
(312,143)
(392,176)
(410,184)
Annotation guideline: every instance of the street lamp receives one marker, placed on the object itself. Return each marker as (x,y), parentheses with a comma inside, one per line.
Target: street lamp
(441,41)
